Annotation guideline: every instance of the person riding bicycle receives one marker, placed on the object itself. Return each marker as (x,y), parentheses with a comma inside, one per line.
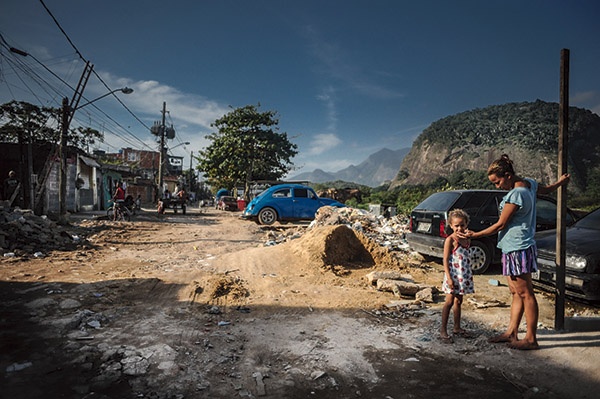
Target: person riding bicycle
(118,199)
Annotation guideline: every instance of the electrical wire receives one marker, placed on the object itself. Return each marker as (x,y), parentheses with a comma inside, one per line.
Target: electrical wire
(103,82)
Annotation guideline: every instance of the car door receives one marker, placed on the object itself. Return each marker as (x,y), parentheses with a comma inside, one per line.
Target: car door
(283,201)
(305,203)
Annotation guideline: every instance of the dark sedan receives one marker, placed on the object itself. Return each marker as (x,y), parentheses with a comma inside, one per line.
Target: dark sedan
(582,272)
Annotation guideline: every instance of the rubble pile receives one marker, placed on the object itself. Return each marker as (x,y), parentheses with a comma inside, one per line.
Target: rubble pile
(389,233)
(22,232)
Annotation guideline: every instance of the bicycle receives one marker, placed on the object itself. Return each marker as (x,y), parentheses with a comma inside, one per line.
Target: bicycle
(123,212)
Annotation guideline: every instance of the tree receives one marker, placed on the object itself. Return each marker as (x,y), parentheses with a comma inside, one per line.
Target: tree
(246,147)
(25,122)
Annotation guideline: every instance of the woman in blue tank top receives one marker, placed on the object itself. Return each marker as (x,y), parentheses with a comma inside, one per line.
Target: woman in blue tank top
(516,230)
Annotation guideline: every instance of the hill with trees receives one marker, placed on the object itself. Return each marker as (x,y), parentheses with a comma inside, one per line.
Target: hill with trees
(464,144)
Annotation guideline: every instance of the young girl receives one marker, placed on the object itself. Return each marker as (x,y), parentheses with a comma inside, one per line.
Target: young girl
(458,278)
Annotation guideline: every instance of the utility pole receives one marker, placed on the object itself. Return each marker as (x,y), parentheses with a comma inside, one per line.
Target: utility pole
(190,174)
(161,163)
(561,232)
(62,179)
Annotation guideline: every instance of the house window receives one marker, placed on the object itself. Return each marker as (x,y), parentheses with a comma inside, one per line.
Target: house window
(132,156)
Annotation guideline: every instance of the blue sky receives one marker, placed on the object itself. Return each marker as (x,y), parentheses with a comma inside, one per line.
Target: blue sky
(346,77)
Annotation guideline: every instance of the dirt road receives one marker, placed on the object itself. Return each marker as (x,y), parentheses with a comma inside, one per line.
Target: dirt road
(197,306)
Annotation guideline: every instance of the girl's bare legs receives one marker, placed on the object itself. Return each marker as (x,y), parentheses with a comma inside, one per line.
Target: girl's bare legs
(458,299)
(445,315)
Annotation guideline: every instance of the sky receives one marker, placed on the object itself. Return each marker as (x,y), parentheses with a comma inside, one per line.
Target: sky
(345,77)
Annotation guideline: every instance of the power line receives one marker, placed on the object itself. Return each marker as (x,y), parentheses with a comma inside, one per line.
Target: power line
(98,76)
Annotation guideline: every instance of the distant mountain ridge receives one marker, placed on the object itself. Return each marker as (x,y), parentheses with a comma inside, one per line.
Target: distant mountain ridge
(377,169)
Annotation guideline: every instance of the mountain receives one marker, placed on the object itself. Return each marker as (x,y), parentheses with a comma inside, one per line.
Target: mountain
(527,132)
(377,169)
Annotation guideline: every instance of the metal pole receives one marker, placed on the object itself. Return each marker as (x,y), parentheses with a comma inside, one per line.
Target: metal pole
(561,233)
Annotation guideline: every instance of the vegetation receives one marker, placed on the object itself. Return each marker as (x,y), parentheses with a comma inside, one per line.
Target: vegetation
(247,147)
(22,122)
(531,127)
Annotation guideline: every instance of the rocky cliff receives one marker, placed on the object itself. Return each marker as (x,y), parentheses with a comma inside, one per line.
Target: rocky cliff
(527,132)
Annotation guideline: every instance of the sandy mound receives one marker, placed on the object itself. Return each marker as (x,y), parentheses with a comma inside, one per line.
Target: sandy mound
(338,248)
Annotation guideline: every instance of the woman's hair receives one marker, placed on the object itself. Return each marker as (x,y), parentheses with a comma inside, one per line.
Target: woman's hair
(458,213)
(501,167)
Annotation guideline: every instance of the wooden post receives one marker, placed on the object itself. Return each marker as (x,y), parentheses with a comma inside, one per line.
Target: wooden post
(561,234)
(62,176)
(161,162)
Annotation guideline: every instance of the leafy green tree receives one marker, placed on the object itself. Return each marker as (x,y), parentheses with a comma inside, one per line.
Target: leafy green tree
(22,121)
(246,147)
(84,137)
(25,122)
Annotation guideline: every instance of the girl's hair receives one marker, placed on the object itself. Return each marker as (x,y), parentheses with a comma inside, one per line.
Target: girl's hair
(501,167)
(458,213)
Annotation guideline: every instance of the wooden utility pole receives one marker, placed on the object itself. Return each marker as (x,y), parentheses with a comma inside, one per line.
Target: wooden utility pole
(561,233)
(161,163)
(62,177)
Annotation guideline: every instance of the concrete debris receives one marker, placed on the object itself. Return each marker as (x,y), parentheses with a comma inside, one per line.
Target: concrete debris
(487,304)
(401,285)
(387,232)
(23,233)
(388,275)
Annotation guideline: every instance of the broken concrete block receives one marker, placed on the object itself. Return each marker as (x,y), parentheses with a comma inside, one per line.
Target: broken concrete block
(374,276)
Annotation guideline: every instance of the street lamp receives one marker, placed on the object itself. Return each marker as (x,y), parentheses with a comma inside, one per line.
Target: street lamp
(179,145)
(124,90)
(67,117)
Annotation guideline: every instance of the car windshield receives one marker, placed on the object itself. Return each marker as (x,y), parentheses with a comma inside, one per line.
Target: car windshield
(590,221)
(439,201)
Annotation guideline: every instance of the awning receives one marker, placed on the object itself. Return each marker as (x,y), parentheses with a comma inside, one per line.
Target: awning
(89,161)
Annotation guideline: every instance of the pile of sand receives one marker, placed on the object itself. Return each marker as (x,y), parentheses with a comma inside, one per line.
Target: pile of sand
(338,248)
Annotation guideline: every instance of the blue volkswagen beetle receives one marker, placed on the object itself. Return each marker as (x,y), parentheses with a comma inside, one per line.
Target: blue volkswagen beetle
(286,203)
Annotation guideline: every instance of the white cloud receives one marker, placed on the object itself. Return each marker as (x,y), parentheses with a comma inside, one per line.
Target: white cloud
(184,108)
(328,97)
(333,62)
(583,97)
(322,143)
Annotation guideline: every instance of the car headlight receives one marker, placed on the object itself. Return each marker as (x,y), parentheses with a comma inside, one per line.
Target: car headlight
(576,262)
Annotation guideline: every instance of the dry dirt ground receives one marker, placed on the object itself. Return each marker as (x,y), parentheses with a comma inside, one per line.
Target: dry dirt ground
(197,306)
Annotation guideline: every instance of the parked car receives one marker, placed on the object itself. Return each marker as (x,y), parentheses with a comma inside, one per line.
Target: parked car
(582,263)
(428,222)
(227,203)
(284,203)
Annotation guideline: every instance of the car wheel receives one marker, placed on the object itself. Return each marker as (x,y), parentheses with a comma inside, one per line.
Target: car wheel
(481,257)
(267,216)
